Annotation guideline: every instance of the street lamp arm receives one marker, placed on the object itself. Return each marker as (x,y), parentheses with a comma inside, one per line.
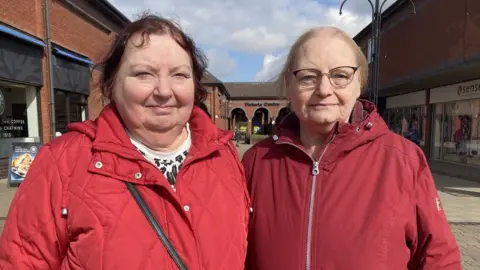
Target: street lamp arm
(411,2)
(343,3)
(413,5)
(341,6)
(381,6)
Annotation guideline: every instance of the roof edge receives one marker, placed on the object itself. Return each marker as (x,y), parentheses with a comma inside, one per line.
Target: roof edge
(114,11)
(392,9)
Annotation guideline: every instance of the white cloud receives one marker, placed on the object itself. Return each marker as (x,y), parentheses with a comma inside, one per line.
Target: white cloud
(272,65)
(220,63)
(265,27)
(264,40)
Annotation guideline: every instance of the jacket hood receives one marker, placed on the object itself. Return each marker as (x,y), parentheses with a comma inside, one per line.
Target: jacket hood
(365,125)
(108,132)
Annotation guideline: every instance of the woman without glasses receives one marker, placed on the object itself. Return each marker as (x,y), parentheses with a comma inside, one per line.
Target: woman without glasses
(74,209)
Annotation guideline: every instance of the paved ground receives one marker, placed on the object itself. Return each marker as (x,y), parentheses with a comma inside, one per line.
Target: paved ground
(461,201)
(460,198)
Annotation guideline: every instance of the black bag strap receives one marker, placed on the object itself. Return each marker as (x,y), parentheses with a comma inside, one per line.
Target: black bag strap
(156,226)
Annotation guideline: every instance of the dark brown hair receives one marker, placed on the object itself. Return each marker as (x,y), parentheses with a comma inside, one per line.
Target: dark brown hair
(145,26)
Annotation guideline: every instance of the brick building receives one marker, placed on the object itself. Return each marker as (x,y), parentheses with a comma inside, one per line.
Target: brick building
(246,107)
(255,107)
(430,79)
(47,49)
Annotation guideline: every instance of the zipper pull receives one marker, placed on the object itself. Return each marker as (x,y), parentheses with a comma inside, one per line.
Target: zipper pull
(315,169)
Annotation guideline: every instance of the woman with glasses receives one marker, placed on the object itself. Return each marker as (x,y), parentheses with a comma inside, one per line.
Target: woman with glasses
(334,188)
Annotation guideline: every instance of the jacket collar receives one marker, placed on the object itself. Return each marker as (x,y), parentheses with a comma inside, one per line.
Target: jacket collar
(365,125)
(108,133)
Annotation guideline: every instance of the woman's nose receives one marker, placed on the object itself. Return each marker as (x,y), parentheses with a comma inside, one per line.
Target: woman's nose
(324,87)
(163,87)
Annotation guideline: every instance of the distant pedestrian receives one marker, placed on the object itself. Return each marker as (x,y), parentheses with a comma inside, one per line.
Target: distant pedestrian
(151,147)
(413,134)
(334,188)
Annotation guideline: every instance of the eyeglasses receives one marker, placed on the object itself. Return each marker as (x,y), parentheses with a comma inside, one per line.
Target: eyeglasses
(339,77)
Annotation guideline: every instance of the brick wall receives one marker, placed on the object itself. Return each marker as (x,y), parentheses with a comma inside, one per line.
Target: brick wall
(95,100)
(70,29)
(414,44)
(217,109)
(18,13)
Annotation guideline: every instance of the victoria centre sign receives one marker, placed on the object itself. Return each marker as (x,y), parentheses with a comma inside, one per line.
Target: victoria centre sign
(258,104)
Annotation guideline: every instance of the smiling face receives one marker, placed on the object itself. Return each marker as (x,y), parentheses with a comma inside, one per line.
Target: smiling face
(315,97)
(154,88)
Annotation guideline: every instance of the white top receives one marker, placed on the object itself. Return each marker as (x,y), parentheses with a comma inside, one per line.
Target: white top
(167,162)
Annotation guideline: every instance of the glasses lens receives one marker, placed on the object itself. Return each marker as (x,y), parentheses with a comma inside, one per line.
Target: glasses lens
(306,79)
(342,76)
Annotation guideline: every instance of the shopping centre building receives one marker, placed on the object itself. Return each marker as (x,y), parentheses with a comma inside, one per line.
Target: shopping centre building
(430,77)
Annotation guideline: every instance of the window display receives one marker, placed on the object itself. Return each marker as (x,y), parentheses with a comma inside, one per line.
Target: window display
(408,122)
(18,116)
(457,132)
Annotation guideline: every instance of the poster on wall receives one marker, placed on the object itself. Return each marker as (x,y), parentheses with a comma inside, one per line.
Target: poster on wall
(21,157)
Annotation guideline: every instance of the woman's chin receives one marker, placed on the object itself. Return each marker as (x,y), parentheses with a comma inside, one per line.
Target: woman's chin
(160,127)
(325,120)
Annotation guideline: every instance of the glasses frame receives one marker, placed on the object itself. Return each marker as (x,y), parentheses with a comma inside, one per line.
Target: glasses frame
(321,74)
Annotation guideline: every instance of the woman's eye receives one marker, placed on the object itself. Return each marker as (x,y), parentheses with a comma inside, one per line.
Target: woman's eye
(142,74)
(339,76)
(309,78)
(182,75)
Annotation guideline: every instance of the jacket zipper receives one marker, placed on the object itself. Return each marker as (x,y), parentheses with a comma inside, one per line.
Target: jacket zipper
(315,171)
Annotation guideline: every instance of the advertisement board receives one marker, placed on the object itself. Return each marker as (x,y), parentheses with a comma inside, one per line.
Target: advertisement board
(21,157)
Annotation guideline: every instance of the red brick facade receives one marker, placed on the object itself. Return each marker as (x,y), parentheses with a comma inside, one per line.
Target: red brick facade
(443,35)
(221,107)
(250,106)
(80,28)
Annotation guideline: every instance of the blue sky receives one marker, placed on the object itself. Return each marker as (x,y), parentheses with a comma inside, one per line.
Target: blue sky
(247,40)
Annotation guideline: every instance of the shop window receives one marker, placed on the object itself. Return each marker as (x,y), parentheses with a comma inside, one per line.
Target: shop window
(456,136)
(408,122)
(69,108)
(18,116)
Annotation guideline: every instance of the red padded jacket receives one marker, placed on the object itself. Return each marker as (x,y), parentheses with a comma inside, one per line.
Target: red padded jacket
(367,203)
(84,171)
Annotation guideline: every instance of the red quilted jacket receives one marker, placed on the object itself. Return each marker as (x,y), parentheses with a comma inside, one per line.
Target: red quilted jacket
(84,171)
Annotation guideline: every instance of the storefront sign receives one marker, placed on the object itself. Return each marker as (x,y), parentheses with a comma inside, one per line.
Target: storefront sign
(265,104)
(22,156)
(468,89)
(12,128)
(455,92)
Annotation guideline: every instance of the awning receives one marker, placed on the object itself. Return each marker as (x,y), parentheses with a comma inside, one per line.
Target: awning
(71,55)
(10,31)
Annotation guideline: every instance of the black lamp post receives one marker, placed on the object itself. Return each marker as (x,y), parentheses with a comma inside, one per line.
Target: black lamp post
(377,9)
